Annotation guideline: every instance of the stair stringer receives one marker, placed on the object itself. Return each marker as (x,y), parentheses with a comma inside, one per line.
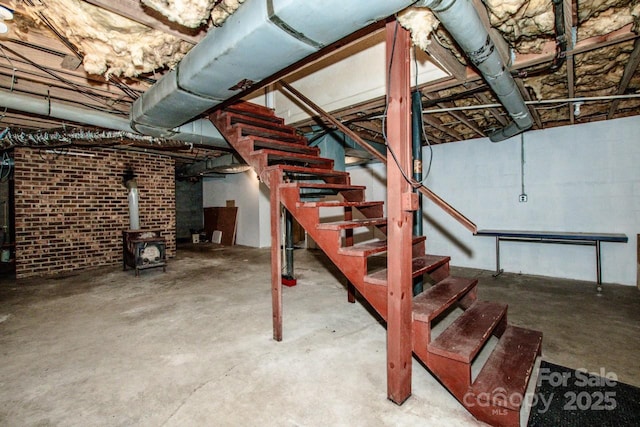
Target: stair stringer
(355,269)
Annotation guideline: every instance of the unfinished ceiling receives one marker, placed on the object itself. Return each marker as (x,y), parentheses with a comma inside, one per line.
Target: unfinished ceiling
(102,55)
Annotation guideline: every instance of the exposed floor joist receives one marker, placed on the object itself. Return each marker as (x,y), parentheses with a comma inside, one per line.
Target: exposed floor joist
(629,70)
(136,11)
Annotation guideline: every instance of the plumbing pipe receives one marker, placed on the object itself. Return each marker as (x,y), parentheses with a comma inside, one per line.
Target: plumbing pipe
(461,20)
(416,144)
(198,131)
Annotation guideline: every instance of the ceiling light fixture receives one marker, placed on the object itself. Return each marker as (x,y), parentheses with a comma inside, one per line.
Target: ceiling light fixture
(576,108)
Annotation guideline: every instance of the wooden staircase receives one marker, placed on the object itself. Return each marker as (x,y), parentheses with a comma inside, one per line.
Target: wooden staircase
(300,179)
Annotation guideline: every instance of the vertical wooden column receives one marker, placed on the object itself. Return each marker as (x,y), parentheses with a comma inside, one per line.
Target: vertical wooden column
(276,259)
(399,196)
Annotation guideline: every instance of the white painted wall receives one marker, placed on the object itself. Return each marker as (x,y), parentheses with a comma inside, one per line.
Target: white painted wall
(353,75)
(583,178)
(251,198)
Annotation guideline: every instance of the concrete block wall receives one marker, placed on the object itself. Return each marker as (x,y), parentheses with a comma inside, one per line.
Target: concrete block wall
(71,207)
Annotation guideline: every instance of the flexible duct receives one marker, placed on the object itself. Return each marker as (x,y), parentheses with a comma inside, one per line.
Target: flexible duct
(198,131)
(260,39)
(461,20)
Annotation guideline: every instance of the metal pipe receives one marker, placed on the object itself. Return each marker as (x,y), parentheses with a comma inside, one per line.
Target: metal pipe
(198,131)
(536,102)
(461,20)
(134,200)
(288,239)
(416,144)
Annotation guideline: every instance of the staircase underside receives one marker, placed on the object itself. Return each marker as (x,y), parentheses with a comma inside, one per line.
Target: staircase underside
(308,186)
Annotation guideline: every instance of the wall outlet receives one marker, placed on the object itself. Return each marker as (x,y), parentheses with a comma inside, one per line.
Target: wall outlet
(523,198)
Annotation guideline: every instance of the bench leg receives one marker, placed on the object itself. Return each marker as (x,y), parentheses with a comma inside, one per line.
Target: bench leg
(499,271)
(598,269)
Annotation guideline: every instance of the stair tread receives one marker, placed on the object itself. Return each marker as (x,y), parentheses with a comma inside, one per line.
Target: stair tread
(241,118)
(338,204)
(463,339)
(251,108)
(433,301)
(263,142)
(304,170)
(509,367)
(419,266)
(249,130)
(277,155)
(354,223)
(370,248)
(321,185)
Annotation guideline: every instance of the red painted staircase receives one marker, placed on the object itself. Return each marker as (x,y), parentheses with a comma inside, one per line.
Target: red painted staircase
(300,179)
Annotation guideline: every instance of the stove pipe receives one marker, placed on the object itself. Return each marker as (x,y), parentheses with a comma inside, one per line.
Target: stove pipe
(134,215)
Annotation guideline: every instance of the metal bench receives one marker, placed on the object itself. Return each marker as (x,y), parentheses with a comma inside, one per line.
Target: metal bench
(567,238)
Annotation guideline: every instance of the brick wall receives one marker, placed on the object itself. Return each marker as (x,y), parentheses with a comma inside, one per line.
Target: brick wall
(71,208)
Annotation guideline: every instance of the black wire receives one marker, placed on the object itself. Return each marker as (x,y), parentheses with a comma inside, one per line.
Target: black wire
(424,131)
(80,89)
(411,181)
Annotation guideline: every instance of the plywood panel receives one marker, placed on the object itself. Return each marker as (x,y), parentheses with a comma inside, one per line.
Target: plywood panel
(223,219)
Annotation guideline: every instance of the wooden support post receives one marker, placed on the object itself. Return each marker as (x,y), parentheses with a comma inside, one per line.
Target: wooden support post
(399,288)
(276,259)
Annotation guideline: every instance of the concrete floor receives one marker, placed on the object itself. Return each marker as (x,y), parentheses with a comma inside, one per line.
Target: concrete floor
(193,346)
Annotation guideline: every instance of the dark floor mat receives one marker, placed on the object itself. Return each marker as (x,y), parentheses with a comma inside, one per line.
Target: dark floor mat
(569,397)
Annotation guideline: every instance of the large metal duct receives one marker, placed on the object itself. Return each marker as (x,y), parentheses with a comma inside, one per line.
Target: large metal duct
(461,20)
(198,131)
(261,38)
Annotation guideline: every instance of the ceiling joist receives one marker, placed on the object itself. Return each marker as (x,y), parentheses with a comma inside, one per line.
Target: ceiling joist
(629,70)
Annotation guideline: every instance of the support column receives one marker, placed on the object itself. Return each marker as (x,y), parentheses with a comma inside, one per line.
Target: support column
(276,259)
(416,146)
(399,207)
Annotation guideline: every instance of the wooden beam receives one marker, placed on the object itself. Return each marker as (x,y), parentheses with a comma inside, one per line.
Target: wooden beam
(527,97)
(275,178)
(135,11)
(621,35)
(447,60)
(629,71)
(457,115)
(437,123)
(400,216)
(484,99)
(567,9)
(501,45)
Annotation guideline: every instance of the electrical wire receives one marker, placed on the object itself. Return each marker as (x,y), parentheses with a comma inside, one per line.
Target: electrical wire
(13,79)
(6,159)
(424,131)
(411,181)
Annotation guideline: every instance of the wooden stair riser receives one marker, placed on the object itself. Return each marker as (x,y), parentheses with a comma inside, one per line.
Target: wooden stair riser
(469,298)
(440,273)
